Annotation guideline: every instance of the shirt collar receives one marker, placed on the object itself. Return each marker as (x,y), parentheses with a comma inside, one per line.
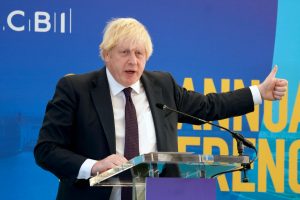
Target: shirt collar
(116,88)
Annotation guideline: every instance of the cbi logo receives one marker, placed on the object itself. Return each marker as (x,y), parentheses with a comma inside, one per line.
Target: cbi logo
(39,21)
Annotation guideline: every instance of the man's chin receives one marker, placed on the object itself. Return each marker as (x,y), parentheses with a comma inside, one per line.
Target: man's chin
(131,79)
(131,82)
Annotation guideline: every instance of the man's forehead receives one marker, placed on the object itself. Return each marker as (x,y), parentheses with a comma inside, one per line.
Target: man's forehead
(130,44)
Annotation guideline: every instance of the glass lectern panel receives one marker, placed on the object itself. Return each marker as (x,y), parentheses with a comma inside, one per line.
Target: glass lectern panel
(184,165)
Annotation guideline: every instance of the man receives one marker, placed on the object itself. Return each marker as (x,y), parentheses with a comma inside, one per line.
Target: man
(85,126)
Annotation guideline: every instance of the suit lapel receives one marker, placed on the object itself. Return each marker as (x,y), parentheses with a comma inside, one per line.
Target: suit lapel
(154,96)
(102,102)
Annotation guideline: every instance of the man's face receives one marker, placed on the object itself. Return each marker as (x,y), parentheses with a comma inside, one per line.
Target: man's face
(126,62)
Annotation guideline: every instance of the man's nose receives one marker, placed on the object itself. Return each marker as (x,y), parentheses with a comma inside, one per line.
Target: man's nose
(132,58)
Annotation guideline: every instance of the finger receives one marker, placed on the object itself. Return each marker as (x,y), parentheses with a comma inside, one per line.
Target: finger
(113,157)
(110,165)
(108,161)
(277,97)
(118,162)
(103,165)
(280,89)
(281,82)
(117,159)
(273,72)
(278,94)
(120,157)
(123,160)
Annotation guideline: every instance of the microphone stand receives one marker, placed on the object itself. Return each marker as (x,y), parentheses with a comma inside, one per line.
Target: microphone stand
(241,141)
(246,166)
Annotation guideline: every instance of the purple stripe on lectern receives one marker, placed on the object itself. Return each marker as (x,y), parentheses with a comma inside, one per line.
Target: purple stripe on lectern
(180,189)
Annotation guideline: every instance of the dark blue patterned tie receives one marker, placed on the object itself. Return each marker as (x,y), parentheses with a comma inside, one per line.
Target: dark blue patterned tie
(131,148)
(131,127)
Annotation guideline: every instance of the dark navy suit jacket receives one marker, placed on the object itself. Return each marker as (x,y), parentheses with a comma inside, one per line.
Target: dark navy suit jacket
(79,123)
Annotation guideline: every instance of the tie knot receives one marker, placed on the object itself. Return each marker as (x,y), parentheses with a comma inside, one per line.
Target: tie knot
(127,92)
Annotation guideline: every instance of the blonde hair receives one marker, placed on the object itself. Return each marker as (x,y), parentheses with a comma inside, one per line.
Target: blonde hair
(125,28)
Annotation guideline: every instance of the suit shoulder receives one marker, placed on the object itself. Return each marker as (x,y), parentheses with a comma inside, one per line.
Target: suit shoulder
(79,81)
(82,77)
(159,79)
(159,75)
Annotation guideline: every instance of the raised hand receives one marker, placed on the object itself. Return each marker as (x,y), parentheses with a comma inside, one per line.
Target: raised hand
(273,88)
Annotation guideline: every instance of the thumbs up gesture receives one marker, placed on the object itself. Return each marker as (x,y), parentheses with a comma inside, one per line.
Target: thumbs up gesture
(273,88)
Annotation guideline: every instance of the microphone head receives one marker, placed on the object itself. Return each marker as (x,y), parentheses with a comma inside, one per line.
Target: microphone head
(160,106)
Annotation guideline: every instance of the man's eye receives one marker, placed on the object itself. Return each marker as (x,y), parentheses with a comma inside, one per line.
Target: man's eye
(139,53)
(125,52)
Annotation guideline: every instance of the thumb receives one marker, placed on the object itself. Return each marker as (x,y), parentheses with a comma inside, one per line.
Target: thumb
(273,72)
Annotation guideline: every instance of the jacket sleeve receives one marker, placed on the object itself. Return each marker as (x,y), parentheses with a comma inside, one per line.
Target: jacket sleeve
(53,149)
(213,106)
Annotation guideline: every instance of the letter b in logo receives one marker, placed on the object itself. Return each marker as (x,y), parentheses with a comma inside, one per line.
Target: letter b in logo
(42,22)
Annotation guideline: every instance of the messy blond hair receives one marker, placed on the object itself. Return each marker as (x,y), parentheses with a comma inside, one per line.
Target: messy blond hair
(125,28)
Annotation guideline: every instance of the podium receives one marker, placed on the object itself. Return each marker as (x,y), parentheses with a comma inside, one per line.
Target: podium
(146,171)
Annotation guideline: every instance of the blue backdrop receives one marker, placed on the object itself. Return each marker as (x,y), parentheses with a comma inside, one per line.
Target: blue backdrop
(196,40)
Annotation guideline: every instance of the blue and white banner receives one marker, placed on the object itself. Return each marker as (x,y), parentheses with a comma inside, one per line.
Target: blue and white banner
(208,46)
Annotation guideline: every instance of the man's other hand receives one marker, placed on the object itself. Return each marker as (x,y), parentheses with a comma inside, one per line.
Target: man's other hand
(273,88)
(108,163)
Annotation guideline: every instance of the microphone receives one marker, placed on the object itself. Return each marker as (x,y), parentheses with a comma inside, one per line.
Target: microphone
(235,135)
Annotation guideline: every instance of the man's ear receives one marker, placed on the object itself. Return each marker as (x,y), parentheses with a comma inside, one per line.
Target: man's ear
(106,56)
